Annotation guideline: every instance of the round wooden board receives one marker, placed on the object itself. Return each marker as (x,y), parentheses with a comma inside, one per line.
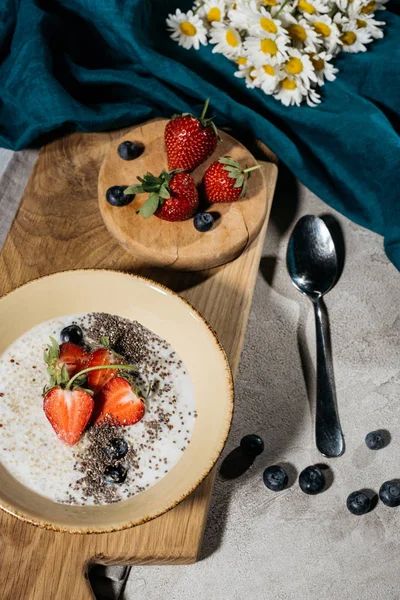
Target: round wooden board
(178,245)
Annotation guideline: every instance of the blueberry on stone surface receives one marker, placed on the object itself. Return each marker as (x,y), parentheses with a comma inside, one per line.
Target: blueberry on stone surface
(358,503)
(375,440)
(312,480)
(252,445)
(116,197)
(116,449)
(73,334)
(115,474)
(275,478)
(389,493)
(129,150)
(203,221)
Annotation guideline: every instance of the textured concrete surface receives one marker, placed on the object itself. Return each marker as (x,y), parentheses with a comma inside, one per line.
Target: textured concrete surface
(287,546)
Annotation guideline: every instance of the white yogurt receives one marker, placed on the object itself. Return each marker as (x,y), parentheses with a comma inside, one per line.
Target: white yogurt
(30,449)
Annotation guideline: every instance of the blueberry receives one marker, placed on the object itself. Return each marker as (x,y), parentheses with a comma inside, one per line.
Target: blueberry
(203,221)
(116,197)
(115,474)
(389,493)
(358,503)
(72,333)
(252,445)
(375,440)
(128,150)
(275,478)
(312,480)
(116,449)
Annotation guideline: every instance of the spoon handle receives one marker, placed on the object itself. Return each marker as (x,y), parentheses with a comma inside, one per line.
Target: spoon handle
(329,437)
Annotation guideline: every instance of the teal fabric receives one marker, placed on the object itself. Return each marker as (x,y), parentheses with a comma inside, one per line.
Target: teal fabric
(92,65)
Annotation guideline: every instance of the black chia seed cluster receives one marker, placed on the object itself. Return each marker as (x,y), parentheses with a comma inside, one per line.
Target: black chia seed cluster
(154,444)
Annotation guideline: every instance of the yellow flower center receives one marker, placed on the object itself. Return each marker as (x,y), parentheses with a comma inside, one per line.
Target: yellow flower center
(268,47)
(188,28)
(214,14)
(306,7)
(294,66)
(269,69)
(348,38)
(297,33)
(368,8)
(361,23)
(270,2)
(268,25)
(289,84)
(231,38)
(317,62)
(242,60)
(322,29)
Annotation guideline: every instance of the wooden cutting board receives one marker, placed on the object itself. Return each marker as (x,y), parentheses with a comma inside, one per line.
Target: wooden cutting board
(59,227)
(178,245)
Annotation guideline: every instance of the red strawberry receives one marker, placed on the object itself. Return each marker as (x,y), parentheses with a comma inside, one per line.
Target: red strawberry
(73,357)
(225,181)
(190,140)
(119,401)
(68,411)
(173,195)
(97,379)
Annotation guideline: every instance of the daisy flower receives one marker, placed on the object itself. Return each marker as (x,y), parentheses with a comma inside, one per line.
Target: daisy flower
(301,33)
(261,49)
(311,7)
(187,29)
(370,6)
(290,92)
(353,39)
(327,30)
(373,27)
(213,10)
(246,72)
(226,39)
(239,15)
(267,77)
(261,21)
(323,68)
(299,67)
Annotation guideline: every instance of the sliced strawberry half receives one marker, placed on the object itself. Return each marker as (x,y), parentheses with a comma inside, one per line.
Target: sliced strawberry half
(97,379)
(68,411)
(119,401)
(73,357)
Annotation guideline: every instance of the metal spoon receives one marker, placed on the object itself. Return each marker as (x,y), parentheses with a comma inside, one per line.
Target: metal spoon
(313,268)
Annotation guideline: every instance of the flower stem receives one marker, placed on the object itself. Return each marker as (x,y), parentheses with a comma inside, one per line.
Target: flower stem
(281,8)
(198,8)
(120,367)
(205,107)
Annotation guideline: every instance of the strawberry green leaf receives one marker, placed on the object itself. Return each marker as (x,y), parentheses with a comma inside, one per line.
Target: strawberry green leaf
(134,189)
(227,160)
(244,189)
(104,340)
(164,192)
(239,182)
(150,206)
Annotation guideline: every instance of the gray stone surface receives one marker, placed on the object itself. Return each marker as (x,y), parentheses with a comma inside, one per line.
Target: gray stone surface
(288,546)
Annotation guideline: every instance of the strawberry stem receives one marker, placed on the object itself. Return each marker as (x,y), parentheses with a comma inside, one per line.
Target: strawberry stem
(249,169)
(120,367)
(205,108)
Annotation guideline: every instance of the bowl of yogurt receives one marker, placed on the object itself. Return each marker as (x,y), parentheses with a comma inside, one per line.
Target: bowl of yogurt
(116,400)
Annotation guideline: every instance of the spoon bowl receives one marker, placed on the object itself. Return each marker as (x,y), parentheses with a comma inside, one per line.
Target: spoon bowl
(311,257)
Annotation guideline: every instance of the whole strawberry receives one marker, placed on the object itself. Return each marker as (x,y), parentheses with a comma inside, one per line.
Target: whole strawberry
(190,140)
(225,181)
(173,195)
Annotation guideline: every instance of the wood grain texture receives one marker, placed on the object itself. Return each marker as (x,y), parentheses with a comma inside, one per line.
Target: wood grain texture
(179,245)
(59,227)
